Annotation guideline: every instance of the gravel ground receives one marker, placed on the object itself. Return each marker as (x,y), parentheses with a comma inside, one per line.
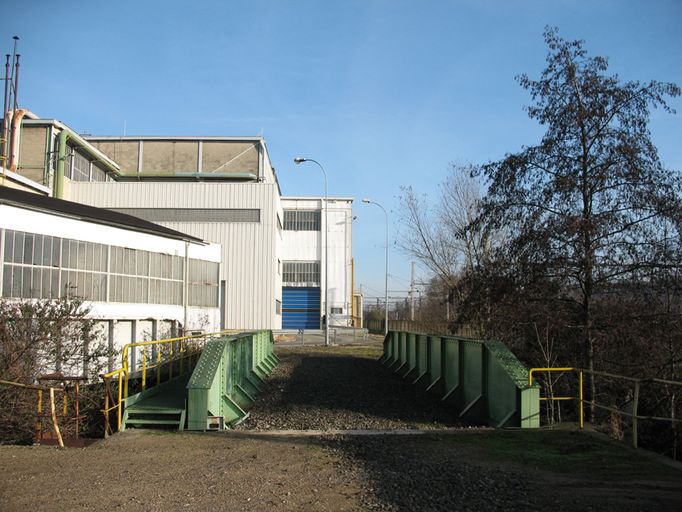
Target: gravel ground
(322,388)
(420,474)
(438,472)
(325,389)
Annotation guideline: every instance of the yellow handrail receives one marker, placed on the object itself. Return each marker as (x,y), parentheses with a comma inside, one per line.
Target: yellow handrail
(561,398)
(39,405)
(123,373)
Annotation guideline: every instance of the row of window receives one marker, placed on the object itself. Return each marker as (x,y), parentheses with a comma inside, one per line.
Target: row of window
(78,167)
(50,251)
(301,272)
(47,267)
(302,220)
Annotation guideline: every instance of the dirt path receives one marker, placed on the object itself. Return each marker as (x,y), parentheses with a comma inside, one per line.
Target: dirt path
(165,471)
(343,388)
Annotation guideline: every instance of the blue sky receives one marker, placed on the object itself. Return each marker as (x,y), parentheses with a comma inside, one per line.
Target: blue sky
(382,93)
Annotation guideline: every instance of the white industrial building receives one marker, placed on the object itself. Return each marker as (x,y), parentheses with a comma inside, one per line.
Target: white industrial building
(306,232)
(219,190)
(139,280)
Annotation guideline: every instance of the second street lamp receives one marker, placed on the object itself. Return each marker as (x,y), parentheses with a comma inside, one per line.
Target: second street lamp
(367,201)
(300,160)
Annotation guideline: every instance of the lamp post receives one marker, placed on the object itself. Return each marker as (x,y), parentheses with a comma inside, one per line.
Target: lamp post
(300,160)
(367,201)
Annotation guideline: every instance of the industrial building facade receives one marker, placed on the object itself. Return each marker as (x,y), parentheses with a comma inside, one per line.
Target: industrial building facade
(138,279)
(222,190)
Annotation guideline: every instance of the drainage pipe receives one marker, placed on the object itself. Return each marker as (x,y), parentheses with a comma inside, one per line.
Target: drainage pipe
(14,138)
(61,155)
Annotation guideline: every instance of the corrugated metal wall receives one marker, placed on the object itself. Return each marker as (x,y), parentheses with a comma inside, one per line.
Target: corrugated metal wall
(250,250)
(301,308)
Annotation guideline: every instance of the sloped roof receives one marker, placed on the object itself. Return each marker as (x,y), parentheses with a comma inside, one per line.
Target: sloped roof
(31,201)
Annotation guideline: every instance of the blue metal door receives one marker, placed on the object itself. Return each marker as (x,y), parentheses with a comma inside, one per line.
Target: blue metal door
(300,308)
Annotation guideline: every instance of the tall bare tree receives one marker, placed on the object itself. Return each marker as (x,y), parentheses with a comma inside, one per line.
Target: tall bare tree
(444,236)
(586,204)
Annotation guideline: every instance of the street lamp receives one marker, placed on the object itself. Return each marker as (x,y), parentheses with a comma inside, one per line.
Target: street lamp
(300,160)
(367,201)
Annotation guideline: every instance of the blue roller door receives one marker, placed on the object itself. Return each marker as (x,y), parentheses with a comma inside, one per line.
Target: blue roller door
(300,308)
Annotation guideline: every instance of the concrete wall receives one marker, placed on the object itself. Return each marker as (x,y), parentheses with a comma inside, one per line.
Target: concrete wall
(157,155)
(32,152)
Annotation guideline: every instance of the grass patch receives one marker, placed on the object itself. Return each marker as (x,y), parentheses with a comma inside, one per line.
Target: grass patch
(368,351)
(576,454)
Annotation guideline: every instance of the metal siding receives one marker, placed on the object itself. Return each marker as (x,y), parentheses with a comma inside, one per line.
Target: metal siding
(249,251)
(301,308)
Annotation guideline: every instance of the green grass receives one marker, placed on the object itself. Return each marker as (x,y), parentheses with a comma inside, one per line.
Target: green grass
(370,351)
(570,453)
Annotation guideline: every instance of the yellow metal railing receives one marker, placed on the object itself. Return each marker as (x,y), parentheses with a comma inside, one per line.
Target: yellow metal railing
(155,356)
(636,384)
(563,398)
(39,406)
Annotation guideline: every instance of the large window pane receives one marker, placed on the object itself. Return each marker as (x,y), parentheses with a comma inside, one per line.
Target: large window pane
(47,251)
(38,250)
(7,281)
(36,283)
(56,250)
(26,282)
(18,247)
(28,248)
(46,284)
(9,246)
(55,291)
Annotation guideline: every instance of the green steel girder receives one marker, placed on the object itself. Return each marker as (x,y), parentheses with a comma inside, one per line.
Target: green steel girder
(482,380)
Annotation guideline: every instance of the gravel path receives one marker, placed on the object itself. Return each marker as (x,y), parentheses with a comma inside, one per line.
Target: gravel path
(428,474)
(333,389)
(342,388)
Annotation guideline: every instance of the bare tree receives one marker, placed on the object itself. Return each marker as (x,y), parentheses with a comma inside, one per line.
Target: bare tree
(37,338)
(446,237)
(586,205)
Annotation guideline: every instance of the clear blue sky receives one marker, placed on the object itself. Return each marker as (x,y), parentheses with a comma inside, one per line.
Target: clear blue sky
(383,92)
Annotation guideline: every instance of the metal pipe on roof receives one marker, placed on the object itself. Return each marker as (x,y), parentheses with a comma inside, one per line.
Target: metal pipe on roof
(14,138)
(101,157)
(16,82)
(61,155)
(64,135)
(199,175)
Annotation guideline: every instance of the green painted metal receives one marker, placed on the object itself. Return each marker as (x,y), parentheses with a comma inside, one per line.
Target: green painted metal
(61,156)
(228,375)
(410,355)
(434,365)
(402,352)
(482,380)
(387,349)
(48,155)
(450,390)
(472,379)
(422,359)
(135,176)
(163,404)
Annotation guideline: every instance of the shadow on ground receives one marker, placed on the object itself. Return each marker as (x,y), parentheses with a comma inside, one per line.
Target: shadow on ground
(322,389)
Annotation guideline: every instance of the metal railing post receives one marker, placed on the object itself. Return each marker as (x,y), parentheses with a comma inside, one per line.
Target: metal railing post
(635,404)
